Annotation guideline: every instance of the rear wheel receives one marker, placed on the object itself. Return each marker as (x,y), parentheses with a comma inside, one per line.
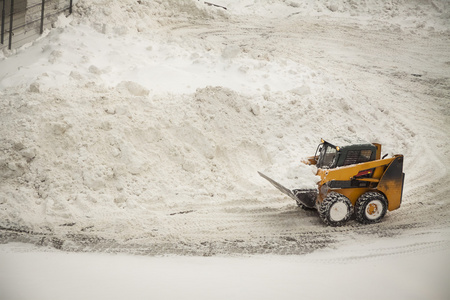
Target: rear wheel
(335,209)
(371,207)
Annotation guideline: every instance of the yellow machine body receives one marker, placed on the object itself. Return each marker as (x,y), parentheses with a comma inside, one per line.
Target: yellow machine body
(354,179)
(387,178)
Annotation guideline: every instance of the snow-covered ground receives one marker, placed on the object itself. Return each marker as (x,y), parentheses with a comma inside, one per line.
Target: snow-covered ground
(380,270)
(138,127)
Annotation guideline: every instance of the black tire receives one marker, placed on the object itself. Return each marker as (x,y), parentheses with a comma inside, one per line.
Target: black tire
(370,208)
(335,210)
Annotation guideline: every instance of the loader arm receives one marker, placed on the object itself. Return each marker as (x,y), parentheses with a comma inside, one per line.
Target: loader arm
(350,172)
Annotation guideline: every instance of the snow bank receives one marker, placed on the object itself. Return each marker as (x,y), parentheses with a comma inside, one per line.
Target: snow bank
(399,14)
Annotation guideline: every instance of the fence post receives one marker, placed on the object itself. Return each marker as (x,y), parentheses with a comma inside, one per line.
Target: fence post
(42,16)
(70,7)
(11,17)
(3,22)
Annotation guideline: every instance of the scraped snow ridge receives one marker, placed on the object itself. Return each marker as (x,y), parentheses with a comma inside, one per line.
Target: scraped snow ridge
(137,123)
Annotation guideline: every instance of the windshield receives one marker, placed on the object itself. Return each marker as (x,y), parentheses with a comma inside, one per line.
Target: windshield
(326,157)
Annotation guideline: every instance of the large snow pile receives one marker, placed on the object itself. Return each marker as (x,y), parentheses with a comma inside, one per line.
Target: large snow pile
(146,121)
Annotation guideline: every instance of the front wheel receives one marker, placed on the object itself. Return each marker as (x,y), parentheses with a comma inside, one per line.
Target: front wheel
(370,208)
(335,209)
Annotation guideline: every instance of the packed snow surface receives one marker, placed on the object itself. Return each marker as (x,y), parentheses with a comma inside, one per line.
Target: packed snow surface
(138,127)
(30,273)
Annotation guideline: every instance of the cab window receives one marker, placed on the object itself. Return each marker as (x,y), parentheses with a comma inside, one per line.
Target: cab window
(357,156)
(327,157)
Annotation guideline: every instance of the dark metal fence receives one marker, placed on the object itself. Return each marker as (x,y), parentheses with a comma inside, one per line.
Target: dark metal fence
(22,21)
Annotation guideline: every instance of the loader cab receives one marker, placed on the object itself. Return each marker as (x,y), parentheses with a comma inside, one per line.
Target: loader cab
(330,156)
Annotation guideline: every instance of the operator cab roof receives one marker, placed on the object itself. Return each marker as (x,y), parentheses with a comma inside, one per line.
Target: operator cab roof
(347,151)
(343,142)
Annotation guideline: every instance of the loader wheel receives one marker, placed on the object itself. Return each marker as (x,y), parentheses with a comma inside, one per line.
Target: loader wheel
(370,208)
(335,209)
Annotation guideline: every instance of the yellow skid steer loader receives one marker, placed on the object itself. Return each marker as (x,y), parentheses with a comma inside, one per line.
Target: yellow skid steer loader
(354,179)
